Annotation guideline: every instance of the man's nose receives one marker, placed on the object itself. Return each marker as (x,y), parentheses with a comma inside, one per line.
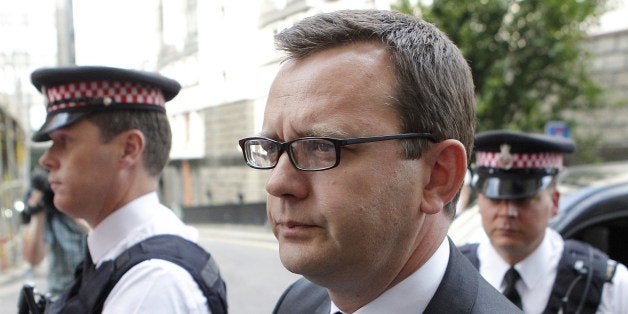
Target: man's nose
(45,161)
(286,180)
(507,208)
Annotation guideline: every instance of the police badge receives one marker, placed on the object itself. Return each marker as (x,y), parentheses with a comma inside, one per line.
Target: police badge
(506,160)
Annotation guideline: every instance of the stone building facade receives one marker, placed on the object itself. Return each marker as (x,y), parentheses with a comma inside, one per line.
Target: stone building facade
(607,128)
(207,172)
(227,98)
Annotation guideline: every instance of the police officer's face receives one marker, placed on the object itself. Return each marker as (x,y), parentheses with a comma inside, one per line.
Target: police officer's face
(516,227)
(82,170)
(355,220)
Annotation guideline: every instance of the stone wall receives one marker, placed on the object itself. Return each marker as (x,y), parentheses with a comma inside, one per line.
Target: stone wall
(221,177)
(606,129)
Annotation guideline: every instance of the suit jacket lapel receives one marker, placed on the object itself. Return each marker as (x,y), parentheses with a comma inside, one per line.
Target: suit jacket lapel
(457,291)
(324,307)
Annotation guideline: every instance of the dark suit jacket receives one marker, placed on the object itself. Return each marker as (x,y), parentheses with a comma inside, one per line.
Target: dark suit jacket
(462,290)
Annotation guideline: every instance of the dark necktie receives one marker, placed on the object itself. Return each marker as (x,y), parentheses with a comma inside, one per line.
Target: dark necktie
(511,278)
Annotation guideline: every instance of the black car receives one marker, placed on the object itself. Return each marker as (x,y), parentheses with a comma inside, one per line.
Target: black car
(594,208)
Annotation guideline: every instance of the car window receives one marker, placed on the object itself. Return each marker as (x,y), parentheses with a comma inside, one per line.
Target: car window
(609,236)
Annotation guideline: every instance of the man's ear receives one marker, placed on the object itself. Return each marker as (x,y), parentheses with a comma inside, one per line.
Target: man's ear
(555,194)
(133,143)
(447,161)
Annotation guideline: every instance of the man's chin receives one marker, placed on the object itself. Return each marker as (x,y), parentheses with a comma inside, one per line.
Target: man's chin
(506,242)
(298,259)
(63,206)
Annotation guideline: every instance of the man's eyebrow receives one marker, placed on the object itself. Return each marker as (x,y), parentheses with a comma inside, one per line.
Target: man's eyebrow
(312,132)
(326,132)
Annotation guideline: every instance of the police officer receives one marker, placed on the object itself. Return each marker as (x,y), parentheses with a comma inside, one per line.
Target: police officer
(110,142)
(515,178)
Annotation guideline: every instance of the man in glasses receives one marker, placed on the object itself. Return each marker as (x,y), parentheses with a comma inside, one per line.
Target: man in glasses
(365,133)
(515,177)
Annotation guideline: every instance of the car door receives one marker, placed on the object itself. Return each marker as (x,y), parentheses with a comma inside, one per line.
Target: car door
(598,216)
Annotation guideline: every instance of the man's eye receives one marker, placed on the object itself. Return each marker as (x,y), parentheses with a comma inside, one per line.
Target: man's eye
(269,147)
(522,202)
(59,139)
(323,147)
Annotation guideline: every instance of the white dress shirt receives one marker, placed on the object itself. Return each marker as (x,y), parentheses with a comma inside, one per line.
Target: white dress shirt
(538,273)
(153,286)
(413,294)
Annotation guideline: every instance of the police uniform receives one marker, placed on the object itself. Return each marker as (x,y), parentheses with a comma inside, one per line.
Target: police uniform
(146,283)
(156,285)
(513,165)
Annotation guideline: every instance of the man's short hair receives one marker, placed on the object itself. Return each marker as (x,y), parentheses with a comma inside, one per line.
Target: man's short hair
(153,124)
(434,89)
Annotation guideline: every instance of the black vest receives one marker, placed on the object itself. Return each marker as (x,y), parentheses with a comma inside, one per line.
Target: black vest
(90,297)
(580,277)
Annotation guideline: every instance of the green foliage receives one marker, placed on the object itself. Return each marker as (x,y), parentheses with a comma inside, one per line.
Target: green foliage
(526,57)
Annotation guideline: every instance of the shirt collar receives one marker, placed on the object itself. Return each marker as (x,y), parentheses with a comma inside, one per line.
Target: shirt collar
(532,268)
(413,294)
(493,267)
(113,229)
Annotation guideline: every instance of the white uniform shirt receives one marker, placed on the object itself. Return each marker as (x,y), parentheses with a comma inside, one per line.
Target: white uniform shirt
(538,273)
(153,286)
(413,294)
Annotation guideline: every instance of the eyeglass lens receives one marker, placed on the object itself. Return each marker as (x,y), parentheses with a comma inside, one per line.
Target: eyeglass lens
(307,154)
(262,153)
(313,153)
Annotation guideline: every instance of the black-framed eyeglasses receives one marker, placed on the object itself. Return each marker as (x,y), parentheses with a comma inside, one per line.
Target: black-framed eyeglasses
(308,153)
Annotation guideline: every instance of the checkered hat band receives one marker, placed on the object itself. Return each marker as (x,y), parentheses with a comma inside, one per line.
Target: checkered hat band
(533,161)
(75,94)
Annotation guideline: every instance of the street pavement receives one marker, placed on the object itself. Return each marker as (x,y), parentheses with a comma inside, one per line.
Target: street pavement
(247,256)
